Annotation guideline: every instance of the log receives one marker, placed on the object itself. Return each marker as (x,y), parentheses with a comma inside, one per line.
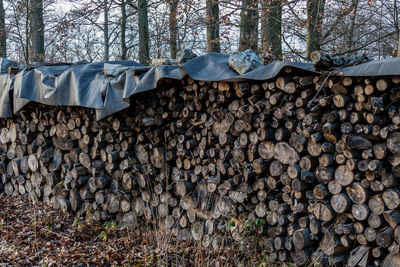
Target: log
(285,153)
(340,203)
(344,176)
(384,237)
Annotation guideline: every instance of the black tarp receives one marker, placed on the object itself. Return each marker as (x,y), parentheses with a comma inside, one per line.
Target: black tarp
(107,86)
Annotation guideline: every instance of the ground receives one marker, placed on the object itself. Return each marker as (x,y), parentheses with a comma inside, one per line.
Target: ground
(33,234)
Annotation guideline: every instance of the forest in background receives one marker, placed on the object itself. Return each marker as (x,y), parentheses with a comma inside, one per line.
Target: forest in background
(103,30)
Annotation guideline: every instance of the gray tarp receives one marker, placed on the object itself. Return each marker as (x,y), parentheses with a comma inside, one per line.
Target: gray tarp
(80,85)
(384,67)
(87,85)
(215,67)
(148,80)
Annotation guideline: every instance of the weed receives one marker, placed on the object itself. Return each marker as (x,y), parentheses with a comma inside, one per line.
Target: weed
(103,236)
(78,223)
(110,226)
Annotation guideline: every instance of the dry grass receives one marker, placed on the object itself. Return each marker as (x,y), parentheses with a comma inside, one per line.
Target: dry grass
(36,235)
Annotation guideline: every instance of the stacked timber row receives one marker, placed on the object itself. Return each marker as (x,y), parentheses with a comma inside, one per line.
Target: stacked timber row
(312,162)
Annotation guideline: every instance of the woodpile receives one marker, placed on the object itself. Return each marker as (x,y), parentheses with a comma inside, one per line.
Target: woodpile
(312,161)
(326,62)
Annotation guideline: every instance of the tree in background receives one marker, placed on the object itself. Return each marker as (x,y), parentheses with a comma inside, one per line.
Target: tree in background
(249,25)
(315,13)
(99,30)
(144,41)
(397,26)
(212,23)
(173,28)
(105,30)
(37,29)
(271,27)
(353,17)
(124,48)
(3,36)
(97,15)
(396,23)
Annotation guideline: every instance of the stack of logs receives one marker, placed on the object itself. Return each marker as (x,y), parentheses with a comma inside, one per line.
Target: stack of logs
(313,161)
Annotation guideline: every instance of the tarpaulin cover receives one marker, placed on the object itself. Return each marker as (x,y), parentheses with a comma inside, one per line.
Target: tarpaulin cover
(83,85)
(384,67)
(215,67)
(107,86)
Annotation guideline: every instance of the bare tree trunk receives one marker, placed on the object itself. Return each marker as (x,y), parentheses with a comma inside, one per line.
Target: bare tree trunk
(352,25)
(173,28)
(396,25)
(249,25)
(106,37)
(144,46)
(3,37)
(271,27)
(213,43)
(27,37)
(37,29)
(398,46)
(315,13)
(124,49)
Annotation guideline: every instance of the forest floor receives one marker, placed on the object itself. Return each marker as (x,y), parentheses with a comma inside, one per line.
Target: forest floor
(37,235)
